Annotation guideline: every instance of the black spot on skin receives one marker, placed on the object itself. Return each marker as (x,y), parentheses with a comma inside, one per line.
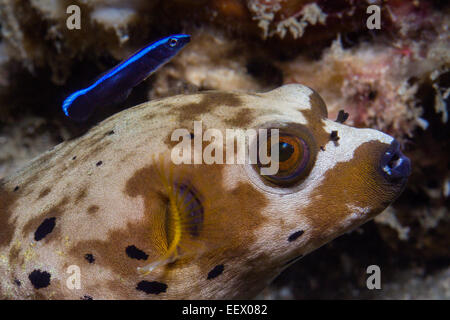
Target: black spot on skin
(334,136)
(16,188)
(342,116)
(135,253)
(293,260)
(110,133)
(295,235)
(98,164)
(44,229)
(215,272)
(86,297)
(89,257)
(74,157)
(39,279)
(151,287)
(191,135)
(17,282)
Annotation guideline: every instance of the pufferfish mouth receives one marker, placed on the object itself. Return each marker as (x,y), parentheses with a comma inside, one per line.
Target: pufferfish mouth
(395,166)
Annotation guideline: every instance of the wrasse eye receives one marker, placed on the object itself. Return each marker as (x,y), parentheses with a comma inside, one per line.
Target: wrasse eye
(173,42)
(295,158)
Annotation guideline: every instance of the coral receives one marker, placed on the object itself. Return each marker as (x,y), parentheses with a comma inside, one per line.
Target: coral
(373,82)
(206,64)
(362,82)
(389,218)
(26,139)
(35,32)
(264,13)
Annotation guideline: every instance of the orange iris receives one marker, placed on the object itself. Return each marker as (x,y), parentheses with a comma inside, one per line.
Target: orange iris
(293,158)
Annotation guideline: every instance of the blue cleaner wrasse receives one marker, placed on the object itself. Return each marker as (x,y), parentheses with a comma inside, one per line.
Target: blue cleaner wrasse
(115,85)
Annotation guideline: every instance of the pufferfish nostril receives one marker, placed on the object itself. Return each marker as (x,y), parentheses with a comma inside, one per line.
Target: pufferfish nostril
(394,165)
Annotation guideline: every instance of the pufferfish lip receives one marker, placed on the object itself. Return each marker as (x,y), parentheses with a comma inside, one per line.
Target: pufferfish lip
(395,166)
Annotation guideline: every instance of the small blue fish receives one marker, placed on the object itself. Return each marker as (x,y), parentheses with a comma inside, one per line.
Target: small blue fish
(116,84)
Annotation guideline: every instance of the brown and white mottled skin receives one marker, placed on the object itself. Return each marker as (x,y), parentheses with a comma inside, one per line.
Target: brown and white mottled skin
(101,208)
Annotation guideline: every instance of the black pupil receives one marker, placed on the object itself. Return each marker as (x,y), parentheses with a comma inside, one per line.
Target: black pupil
(286,150)
(173,42)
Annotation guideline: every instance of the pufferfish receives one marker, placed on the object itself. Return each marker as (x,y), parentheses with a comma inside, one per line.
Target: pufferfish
(110,216)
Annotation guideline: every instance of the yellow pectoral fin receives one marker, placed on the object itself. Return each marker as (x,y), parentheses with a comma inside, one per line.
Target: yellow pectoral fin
(183,227)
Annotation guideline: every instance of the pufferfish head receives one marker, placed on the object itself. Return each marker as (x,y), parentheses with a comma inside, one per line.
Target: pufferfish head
(331,178)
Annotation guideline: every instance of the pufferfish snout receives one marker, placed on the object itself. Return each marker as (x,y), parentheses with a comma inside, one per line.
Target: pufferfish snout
(352,175)
(395,166)
(114,204)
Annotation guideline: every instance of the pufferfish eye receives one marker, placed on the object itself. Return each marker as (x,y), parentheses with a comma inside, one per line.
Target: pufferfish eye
(173,42)
(296,154)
